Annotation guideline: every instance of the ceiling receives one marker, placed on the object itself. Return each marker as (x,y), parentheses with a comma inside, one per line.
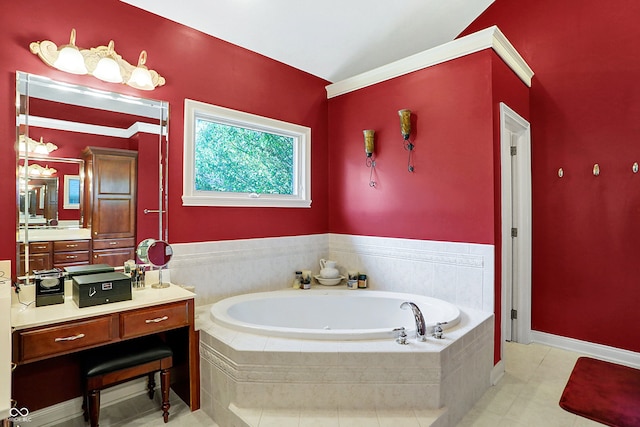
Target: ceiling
(331,39)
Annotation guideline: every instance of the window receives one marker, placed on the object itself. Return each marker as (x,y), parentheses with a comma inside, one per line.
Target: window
(71,192)
(233,158)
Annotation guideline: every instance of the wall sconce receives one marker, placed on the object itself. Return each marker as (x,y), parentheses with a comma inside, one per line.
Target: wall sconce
(102,62)
(405,129)
(369,149)
(29,145)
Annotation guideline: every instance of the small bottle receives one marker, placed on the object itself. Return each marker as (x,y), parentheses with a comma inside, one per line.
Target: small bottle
(362,281)
(306,282)
(298,280)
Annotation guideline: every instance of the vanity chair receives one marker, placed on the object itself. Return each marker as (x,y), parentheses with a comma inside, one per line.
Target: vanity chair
(118,363)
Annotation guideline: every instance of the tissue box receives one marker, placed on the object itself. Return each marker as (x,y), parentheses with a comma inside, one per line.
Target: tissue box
(101,288)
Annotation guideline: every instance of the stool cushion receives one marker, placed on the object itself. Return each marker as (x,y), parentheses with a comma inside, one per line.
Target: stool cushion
(125,355)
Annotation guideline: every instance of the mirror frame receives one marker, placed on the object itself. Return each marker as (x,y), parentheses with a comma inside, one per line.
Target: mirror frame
(33,86)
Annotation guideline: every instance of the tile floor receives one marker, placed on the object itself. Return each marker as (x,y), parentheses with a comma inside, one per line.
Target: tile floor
(527,395)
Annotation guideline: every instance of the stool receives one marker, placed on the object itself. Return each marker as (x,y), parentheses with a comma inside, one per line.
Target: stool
(114,364)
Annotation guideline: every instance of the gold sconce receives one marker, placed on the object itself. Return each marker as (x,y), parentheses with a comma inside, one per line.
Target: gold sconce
(29,145)
(405,129)
(101,62)
(369,149)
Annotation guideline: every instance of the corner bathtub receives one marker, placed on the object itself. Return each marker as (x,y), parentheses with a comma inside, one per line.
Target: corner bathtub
(335,348)
(330,314)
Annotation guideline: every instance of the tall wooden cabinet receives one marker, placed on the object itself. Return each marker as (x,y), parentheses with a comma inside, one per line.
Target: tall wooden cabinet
(110,203)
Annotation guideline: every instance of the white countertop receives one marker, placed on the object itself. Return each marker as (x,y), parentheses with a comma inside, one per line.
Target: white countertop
(23,317)
(51,234)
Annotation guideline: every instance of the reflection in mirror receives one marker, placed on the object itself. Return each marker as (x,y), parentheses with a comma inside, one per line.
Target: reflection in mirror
(142,251)
(108,188)
(158,253)
(40,185)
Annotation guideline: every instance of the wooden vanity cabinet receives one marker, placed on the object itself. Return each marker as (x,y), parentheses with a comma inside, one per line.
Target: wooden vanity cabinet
(110,189)
(71,252)
(48,357)
(40,257)
(57,253)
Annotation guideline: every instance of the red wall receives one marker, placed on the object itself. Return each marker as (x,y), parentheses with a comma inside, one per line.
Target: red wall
(450,196)
(585,104)
(195,66)
(454,193)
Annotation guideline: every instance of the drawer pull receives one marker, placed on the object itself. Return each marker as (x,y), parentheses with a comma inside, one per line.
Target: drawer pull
(71,257)
(157,319)
(13,366)
(72,246)
(71,338)
(113,243)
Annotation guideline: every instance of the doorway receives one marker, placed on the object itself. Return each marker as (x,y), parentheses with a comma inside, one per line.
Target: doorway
(515,154)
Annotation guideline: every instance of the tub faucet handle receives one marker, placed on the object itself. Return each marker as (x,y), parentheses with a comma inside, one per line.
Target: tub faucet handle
(402,336)
(437,330)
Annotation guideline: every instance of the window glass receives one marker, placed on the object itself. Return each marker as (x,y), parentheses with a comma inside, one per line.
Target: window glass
(234,158)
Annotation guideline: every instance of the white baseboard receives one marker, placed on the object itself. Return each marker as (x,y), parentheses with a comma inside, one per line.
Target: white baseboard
(497,373)
(612,354)
(64,411)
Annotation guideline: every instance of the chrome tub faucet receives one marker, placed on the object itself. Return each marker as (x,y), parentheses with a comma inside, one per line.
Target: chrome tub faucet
(419,318)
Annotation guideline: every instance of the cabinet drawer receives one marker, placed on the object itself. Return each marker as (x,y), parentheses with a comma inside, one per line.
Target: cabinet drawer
(113,256)
(153,319)
(39,247)
(61,339)
(113,243)
(70,245)
(70,257)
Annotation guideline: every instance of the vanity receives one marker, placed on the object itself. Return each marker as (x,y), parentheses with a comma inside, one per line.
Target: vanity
(48,343)
(91,184)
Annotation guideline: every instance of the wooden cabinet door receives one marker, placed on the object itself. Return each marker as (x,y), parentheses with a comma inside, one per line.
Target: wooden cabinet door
(112,192)
(114,200)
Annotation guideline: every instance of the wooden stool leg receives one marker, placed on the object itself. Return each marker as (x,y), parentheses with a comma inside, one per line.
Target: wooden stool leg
(165,382)
(151,385)
(85,410)
(94,407)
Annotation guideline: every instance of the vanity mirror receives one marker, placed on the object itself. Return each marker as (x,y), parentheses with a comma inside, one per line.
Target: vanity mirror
(101,188)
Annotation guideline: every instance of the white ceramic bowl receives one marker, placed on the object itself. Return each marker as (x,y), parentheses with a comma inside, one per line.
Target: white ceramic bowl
(329,282)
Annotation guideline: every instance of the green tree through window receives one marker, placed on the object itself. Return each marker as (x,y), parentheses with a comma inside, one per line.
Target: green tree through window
(241,160)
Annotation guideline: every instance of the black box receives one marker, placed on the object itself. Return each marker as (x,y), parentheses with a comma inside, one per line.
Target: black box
(78,270)
(101,288)
(49,287)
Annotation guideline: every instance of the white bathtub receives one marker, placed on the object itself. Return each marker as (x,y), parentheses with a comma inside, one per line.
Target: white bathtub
(330,314)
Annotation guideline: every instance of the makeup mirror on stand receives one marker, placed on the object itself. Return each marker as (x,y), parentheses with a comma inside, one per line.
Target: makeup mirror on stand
(158,253)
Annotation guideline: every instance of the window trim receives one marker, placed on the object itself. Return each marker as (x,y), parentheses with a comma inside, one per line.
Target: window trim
(302,158)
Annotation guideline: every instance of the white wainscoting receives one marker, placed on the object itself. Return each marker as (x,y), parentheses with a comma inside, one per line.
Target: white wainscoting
(460,273)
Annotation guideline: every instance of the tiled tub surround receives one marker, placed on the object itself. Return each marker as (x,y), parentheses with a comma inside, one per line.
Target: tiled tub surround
(459,273)
(243,374)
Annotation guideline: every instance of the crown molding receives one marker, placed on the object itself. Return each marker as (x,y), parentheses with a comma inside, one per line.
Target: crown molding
(490,37)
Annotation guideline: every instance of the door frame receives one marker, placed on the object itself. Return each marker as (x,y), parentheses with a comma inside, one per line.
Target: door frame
(514,128)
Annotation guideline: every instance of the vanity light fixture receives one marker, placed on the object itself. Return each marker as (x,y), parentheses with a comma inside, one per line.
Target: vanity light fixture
(107,68)
(29,145)
(405,129)
(369,150)
(103,62)
(68,58)
(35,171)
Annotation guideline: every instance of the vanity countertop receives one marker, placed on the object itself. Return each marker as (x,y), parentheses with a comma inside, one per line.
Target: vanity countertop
(23,317)
(53,234)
